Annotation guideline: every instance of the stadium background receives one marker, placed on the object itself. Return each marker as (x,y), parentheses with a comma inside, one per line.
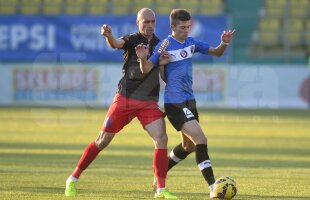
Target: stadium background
(45,44)
(57,77)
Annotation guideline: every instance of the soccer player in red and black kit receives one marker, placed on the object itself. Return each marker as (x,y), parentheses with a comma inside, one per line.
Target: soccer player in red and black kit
(137,96)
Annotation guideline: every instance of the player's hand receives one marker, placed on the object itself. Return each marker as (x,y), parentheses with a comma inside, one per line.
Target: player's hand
(142,51)
(106,30)
(164,58)
(227,36)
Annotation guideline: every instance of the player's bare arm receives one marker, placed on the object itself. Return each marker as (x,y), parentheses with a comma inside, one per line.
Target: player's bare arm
(142,52)
(225,39)
(106,31)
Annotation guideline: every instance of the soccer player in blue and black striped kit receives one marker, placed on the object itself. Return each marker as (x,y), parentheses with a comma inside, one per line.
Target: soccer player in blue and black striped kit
(179,100)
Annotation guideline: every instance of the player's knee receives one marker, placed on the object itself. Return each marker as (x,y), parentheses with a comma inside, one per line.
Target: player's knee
(164,138)
(189,148)
(161,139)
(202,140)
(103,140)
(101,144)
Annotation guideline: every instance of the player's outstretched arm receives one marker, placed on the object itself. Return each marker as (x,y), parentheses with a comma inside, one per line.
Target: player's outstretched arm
(226,37)
(106,31)
(142,52)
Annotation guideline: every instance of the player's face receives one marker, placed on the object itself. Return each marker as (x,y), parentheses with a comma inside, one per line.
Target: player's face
(181,30)
(146,24)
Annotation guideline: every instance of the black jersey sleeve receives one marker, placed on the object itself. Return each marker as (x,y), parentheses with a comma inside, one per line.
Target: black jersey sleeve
(128,42)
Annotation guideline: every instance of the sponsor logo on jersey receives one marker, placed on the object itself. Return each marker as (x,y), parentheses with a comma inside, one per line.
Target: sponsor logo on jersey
(188,113)
(163,46)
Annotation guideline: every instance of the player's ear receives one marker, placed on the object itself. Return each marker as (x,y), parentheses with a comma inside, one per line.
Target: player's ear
(137,22)
(172,27)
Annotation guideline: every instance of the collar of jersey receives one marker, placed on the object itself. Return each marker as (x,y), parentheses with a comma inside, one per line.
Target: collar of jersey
(153,38)
(176,39)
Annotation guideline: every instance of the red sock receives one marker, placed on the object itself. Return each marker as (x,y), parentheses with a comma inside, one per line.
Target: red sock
(160,166)
(90,153)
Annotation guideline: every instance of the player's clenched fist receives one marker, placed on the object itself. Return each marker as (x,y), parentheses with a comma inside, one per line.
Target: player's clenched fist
(227,36)
(106,30)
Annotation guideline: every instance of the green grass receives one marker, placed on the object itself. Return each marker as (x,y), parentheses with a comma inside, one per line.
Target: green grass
(267,152)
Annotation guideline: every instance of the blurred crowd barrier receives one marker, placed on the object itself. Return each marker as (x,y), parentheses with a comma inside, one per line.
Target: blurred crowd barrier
(94,85)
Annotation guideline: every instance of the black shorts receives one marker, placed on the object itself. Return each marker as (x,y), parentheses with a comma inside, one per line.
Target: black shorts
(179,113)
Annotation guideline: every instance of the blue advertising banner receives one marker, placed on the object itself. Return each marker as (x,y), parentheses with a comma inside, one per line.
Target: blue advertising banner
(77,38)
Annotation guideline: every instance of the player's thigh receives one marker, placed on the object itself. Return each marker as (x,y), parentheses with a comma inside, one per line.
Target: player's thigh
(156,128)
(157,131)
(152,119)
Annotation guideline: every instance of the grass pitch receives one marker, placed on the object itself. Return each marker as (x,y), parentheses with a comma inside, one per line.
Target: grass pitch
(267,152)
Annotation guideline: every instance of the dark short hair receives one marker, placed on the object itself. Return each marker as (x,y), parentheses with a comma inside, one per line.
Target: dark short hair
(177,15)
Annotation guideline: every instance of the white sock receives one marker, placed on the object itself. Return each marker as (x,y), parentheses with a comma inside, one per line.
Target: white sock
(72,178)
(211,187)
(159,190)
